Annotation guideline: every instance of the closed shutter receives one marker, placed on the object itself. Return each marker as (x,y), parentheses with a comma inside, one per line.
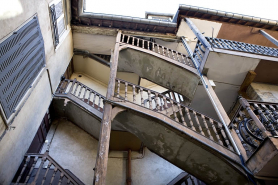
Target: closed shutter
(58,20)
(21,59)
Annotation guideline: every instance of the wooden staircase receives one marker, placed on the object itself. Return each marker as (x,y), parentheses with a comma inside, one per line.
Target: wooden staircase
(43,169)
(186,138)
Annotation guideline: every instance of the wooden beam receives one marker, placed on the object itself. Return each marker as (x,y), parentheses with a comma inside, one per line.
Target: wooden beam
(105,129)
(247,81)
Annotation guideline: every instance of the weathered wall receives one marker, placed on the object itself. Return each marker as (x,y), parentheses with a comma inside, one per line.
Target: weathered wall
(15,142)
(263,92)
(69,140)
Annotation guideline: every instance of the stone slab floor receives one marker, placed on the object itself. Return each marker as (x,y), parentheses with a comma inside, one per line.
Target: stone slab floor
(76,150)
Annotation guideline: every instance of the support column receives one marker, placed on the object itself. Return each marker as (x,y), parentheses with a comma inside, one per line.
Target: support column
(225,117)
(105,129)
(269,37)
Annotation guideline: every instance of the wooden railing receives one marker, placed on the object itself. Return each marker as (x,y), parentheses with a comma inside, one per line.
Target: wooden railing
(82,92)
(169,107)
(253,122)
(154,47)
(43,169)
(185,179)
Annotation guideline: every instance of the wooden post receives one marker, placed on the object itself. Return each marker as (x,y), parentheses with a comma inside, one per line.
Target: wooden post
(105,129)
(247,81)
(226,118)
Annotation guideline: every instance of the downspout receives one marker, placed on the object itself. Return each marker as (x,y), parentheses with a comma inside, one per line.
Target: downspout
(216,108)
(128,175)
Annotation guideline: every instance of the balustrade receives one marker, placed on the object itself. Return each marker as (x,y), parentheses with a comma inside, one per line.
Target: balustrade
(253,122)
(82,92)
(154,47)
(173,109)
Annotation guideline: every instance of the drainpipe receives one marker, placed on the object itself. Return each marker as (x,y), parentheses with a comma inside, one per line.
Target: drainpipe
(128,175)
(216,108)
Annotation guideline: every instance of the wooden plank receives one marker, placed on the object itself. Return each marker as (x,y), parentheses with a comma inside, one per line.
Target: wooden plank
(247,81)
(105,129)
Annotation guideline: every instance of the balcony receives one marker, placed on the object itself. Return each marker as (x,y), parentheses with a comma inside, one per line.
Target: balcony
(257,128)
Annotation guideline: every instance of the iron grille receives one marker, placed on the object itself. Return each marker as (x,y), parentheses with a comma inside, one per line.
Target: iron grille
(21,59)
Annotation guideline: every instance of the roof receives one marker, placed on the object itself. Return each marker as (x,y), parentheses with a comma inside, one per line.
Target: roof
(223,16)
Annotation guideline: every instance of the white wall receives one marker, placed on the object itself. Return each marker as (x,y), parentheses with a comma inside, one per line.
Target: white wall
(16,141)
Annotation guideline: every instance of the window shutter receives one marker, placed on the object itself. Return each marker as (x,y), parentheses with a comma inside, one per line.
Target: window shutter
(21,59)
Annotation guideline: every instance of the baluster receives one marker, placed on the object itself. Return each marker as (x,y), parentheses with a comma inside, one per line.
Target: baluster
(163,51)
(142,99)
(215,131)
(225,137)
(150,99)
(181,114)
(161,102)
(95,94)
(166,106)
(173,56)
(118,89)
(40,167)
(80,90)
(189,118)
(99,100)
(174,112)
(53,175)
(143,43)
(128,39)
(183,60)
(206,126)
(158,50)
(72,85)
(125,91)
(123,37)
(148,45)
(198,123)
(85,92)
(177,54)
(133,91)
(61,178)
(23,169)
(60,88)
(133,41)
(153,47)
(45,174)
(168,53)
(77,85)
(157,102)
(90,92)
(31,170)
(137,42)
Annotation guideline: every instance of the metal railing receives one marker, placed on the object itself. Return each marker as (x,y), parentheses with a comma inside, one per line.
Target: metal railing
(241,46)
(82,92)
(43,169)
(253,122)
(176,111)
(154,47)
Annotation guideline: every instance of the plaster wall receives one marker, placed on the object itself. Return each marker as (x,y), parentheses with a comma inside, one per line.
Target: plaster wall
(15,142)
(263,92)
(69,140)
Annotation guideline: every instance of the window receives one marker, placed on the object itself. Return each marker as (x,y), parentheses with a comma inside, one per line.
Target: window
(59,20)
